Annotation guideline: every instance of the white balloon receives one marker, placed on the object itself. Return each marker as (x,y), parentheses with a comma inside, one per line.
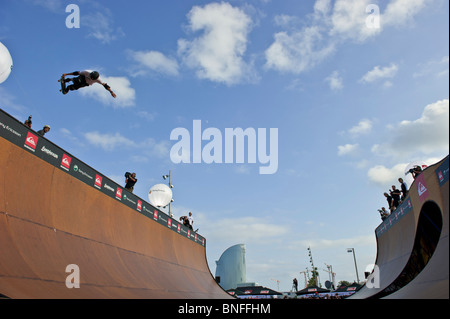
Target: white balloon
(6,63)
(160,195)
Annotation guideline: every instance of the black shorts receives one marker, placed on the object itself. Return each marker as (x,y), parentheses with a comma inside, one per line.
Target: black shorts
(78,82)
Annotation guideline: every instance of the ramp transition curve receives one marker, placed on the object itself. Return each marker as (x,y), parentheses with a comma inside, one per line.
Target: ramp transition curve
(55,211)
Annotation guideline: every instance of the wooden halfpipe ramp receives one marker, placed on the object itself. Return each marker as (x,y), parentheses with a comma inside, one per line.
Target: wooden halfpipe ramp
(412,244)
(63,224)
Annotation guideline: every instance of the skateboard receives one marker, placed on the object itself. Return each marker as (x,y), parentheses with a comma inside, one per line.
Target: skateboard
(63,85)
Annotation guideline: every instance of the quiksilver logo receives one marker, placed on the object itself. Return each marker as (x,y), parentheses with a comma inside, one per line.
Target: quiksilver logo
(65,162)
(98,181)
(119,193)
(421,189)
(30,140)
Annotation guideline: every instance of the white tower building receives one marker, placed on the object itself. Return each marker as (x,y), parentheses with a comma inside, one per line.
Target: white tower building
(231,268)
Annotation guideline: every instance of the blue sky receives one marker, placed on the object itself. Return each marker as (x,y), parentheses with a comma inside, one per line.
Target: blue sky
(353,103)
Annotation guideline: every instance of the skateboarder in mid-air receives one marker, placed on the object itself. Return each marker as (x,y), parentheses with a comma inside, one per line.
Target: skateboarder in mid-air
(82,79)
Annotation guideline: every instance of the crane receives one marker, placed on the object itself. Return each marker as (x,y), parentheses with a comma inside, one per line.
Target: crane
(306,281)
(330,272)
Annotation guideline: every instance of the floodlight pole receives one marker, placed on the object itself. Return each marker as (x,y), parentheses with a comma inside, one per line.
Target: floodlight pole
(170,186)
(349,250)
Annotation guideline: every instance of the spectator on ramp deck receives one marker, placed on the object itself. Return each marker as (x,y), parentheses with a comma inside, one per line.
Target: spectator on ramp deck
(191,220)
(389,201)
(384,213)
(130,181)
(44,130)
(184,220)
(395,193)
(28,122)
(404,188)
(415,171)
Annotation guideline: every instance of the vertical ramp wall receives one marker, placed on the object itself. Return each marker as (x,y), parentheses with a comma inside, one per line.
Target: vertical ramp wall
(410,264)
(56,212)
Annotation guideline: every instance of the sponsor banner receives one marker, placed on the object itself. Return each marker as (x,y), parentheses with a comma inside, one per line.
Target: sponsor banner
(394,217)
(27,139)
(442,172)
(147,210)
(132,200)
(49,153)
(11,130)
(83,172)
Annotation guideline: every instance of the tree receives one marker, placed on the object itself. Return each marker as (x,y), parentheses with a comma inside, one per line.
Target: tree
(313,281)
(344,283)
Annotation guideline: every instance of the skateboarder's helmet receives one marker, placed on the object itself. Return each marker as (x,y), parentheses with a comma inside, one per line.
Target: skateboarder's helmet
(94,75)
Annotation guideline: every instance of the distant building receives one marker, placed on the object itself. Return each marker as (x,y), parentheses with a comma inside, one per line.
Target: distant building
(231,268)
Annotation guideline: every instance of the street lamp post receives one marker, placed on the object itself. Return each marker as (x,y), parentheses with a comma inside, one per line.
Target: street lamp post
(349,250)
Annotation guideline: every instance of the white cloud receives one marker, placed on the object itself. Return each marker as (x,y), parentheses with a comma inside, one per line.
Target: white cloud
(335,81)
(384,176)
(427,135)
(100,26)
(399,12)
(341,243)
(69,135)
(349,20)
(329,26)
(437,68)
(379,73)
(155,61)
(347,149)
(298,51)
(284,20)
(146,115)
(108,142)
(7,99)
(153,148)
(322,7)
(55,6)
(217,54)
(246,229)
(120,85)
(363,127)
(349,17)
